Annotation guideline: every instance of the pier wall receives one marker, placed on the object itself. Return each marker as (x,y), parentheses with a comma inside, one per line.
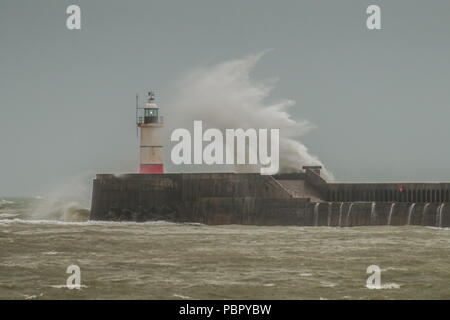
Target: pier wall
(253,199)
(180,197)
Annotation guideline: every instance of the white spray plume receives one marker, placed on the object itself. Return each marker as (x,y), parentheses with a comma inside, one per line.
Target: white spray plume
(69,201)
(225,97)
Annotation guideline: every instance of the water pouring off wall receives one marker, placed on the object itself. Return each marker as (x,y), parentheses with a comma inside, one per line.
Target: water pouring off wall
(340,214)
(347,220)
(391,211)
(410,211)
(439,215)
(373,214)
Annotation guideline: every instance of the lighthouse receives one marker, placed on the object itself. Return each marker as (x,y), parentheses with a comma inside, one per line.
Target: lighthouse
(151,147)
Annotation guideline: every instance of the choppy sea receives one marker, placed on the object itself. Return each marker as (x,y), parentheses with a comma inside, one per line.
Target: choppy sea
(162,260)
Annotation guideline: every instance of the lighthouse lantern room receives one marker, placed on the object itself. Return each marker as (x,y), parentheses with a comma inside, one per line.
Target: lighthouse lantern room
(151,147)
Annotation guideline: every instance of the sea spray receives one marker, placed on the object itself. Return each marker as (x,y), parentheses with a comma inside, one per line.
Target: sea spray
(224,97)
(69,201)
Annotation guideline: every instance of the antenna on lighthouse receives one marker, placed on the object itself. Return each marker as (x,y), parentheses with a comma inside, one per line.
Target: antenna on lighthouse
(137,120)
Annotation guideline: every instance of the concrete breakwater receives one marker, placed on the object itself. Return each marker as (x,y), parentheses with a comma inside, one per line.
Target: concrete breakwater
(252,199)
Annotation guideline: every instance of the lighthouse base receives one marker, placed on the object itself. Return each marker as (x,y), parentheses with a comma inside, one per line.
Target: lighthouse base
(151,168)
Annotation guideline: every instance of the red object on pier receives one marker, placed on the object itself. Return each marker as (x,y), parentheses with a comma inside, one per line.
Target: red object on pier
(401,188)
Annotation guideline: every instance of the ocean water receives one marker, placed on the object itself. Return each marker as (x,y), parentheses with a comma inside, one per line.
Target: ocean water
(161,260)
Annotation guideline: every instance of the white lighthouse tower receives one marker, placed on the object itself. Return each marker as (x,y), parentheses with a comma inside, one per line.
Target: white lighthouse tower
(151,146)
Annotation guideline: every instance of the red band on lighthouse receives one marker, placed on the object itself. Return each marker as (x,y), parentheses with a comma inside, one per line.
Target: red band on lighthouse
(151,168)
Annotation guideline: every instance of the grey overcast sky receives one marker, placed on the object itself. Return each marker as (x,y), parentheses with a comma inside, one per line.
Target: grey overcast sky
(380,100)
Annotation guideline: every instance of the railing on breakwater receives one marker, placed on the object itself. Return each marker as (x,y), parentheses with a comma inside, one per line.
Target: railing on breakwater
(414,192)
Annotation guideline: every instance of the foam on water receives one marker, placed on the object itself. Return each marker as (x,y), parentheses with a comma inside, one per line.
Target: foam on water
(328,284)
(3,201)
(64,286)
(385,286)
(9,215)
(160,260)
(181,296)
(165,260)
(93,223)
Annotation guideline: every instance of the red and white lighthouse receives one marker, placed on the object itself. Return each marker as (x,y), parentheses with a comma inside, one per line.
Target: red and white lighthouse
(151,147)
